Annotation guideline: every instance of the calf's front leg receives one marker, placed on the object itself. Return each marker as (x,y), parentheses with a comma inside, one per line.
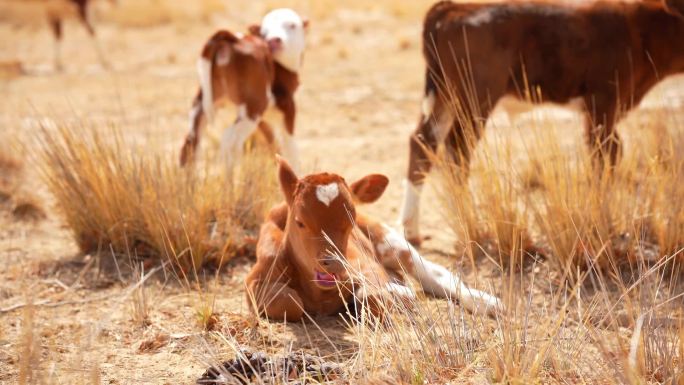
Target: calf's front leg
(274,300)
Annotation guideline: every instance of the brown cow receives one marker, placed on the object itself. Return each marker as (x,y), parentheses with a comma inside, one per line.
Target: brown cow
(57,11)
(316,253)
(606,54)
(253,72)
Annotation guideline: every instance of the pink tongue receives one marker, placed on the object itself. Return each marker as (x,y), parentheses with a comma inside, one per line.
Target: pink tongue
(325,277)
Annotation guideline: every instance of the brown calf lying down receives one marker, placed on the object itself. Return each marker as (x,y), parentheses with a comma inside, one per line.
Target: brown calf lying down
(253,72)
(311,258)
(606,54)
(57,11)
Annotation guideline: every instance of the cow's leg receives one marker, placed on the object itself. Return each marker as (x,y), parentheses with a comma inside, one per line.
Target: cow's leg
(396,253)
(275,300)
(197,123)
(435,123)
(461,141)
(267,291)
(83,17)
(601,136)
(377,292)
(234,137)
(288,147)
(376,301)
(285,136)
(56,27)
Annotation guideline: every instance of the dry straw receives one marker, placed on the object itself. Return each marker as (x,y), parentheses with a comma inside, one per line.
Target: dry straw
(115,196)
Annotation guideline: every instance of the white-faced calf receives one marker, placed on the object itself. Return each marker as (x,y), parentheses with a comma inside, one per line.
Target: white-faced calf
(316,254)
(253,72)
(606,54)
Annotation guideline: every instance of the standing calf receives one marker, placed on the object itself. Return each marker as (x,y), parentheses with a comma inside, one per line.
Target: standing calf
(312,258)
(607,54)
(252,72)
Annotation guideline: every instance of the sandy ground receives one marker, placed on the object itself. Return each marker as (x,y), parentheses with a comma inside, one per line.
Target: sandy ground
(359,101)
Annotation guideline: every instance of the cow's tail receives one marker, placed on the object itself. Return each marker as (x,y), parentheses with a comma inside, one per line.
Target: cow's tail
(205,65)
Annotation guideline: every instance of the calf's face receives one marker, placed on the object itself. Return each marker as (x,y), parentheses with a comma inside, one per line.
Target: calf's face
(284,30)
(321,218)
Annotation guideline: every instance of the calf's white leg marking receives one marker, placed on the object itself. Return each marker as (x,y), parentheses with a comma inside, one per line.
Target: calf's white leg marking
(436,279)
(428,105)
(401,290)
(234,137)
(204,71)
(194,112)
(288,146)
(410,209)
(327,193)
(285,141)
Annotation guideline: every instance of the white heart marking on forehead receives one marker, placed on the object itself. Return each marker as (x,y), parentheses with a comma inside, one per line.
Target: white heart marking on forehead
(327,193)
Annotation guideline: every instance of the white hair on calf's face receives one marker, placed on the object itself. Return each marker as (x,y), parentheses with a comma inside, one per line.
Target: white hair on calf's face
(327,193)
(287,26)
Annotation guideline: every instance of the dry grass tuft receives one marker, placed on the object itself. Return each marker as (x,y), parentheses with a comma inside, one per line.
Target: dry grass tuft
(10,169)
(22,204)
(547,196)
(112,195)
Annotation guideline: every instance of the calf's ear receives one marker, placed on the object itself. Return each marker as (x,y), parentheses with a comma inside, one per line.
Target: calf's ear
(287,178)
(369,188)
(675,7)
(306,23)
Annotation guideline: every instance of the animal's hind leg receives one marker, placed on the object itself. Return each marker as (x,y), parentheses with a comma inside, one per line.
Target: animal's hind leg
(234,137)
(83,17)
(396,253)
(288,147)
(275,300)
(197,123)
(435,122)
(56,26)
(463,137)
(267,291)
(285,135)
(601,136)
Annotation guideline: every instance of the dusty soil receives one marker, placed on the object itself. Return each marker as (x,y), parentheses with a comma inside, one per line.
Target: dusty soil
(359,101)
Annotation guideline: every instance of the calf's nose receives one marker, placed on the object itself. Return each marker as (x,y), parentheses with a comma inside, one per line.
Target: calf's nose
(275,44)
(332,264)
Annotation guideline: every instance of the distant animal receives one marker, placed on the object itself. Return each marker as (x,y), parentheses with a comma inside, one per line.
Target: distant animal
(57,11)
(316,254)
(253,72)
(606,54)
